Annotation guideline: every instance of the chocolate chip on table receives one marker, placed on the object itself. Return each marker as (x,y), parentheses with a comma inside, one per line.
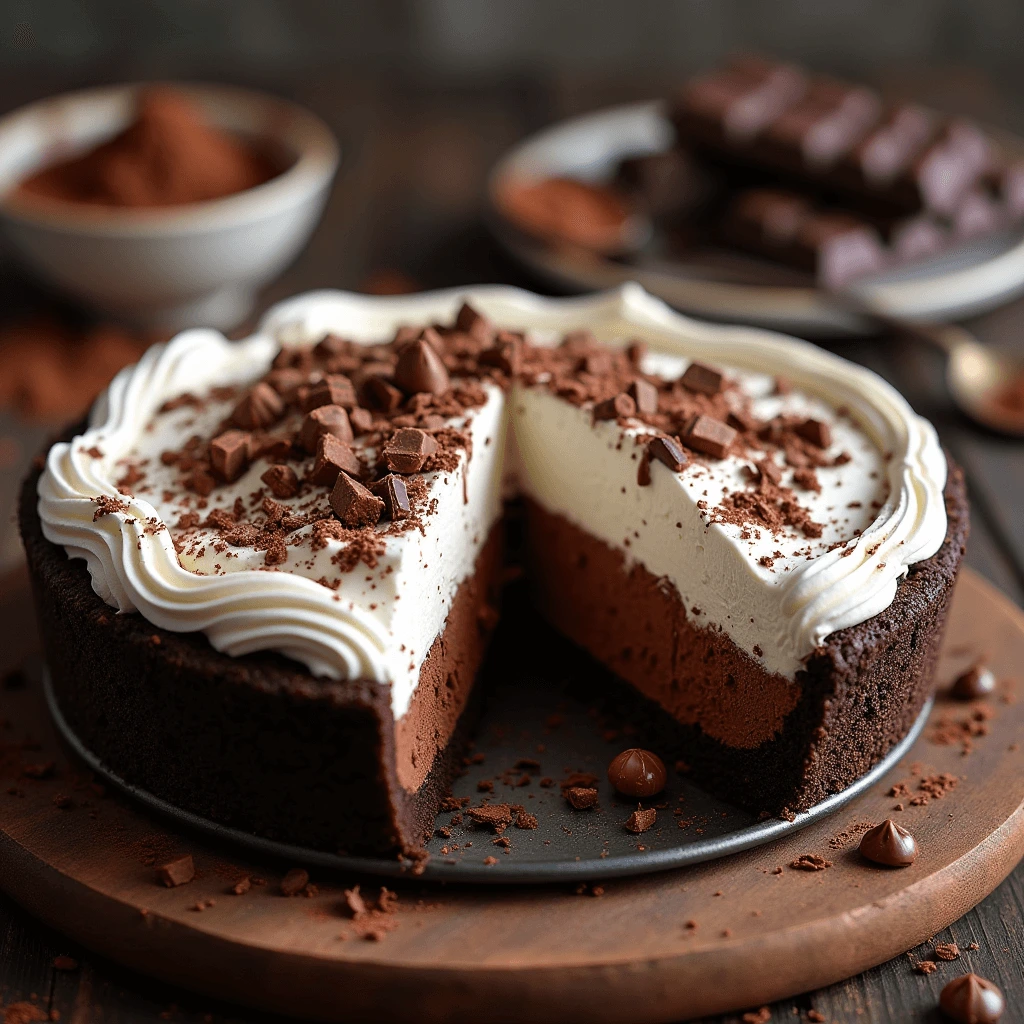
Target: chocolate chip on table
(710,436)
(702,379)
(229,454)
(333,457)
(971,999)
(581,798)
(667,451)
(637,772)
(261,407)
(640,820)
(392,491)
(645,395)
(816,431)
(977,682)
(334,389)
(889,844)
(282,481)
(408,450)
(177,872)
(419,367)
(294,882)
(353,504)
(619,407)
(327,419)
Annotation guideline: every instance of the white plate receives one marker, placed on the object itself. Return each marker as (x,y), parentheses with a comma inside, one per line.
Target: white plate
(973,280)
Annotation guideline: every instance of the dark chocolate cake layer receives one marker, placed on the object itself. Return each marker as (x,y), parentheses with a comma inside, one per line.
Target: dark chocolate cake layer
(256,742)
(751,737)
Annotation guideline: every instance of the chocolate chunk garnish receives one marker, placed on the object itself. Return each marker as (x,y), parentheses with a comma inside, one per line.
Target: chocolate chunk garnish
(710,436)
(286,381)
(333,457)
(977,682)
(506,354)
(619,407)
(810,862)
(408,450)
(229,454)
(294,882)
(334,389)
(640,820)
(382,394)
(419,367)
(971,999)
(645,395)
(392,491)
(282,481)
(177,872)
(261,407)
(643,470)
(637,772)
(353,504)
(581,798)
(328,419)
(361,421)
(473,323)
(889,844)
(330,346)
(815,431)
(666,450)
(702,379)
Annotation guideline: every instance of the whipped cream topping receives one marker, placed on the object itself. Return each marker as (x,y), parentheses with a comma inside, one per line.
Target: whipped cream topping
(379,624)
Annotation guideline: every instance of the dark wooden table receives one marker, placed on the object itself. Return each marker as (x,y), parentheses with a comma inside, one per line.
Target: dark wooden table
(416,150)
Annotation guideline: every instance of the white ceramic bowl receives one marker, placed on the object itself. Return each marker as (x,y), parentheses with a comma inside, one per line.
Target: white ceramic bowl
(171,267)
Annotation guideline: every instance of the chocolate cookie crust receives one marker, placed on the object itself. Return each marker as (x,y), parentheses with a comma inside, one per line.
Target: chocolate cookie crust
(256,742)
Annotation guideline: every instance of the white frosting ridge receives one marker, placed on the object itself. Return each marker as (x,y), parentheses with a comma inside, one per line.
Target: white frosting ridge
(383,630)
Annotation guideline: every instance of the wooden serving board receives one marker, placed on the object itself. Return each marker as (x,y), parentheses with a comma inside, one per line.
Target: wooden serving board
(730,934)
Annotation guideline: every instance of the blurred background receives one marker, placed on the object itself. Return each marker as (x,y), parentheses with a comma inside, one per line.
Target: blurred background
(425,95)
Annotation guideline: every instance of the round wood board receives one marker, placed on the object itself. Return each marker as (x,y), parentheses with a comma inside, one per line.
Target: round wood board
(729,934)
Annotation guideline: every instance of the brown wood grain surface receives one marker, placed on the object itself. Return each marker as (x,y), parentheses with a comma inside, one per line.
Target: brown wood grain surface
(416,148)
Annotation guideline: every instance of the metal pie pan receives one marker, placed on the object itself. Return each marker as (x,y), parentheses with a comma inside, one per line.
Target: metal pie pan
(568,845)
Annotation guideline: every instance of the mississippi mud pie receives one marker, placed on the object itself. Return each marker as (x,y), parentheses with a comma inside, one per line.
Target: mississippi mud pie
(267,570)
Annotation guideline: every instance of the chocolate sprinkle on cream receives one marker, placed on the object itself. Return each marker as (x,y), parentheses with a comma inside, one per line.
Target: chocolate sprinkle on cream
(644,395)
(334,389)
(815,431)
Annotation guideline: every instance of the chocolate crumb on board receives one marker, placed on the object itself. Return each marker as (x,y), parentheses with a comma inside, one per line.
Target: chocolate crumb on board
(177,872)
(761,1016)
(947,951)
(241,887)
(810,862)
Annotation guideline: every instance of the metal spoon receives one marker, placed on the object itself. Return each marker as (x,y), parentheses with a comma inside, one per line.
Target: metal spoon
(976,376)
